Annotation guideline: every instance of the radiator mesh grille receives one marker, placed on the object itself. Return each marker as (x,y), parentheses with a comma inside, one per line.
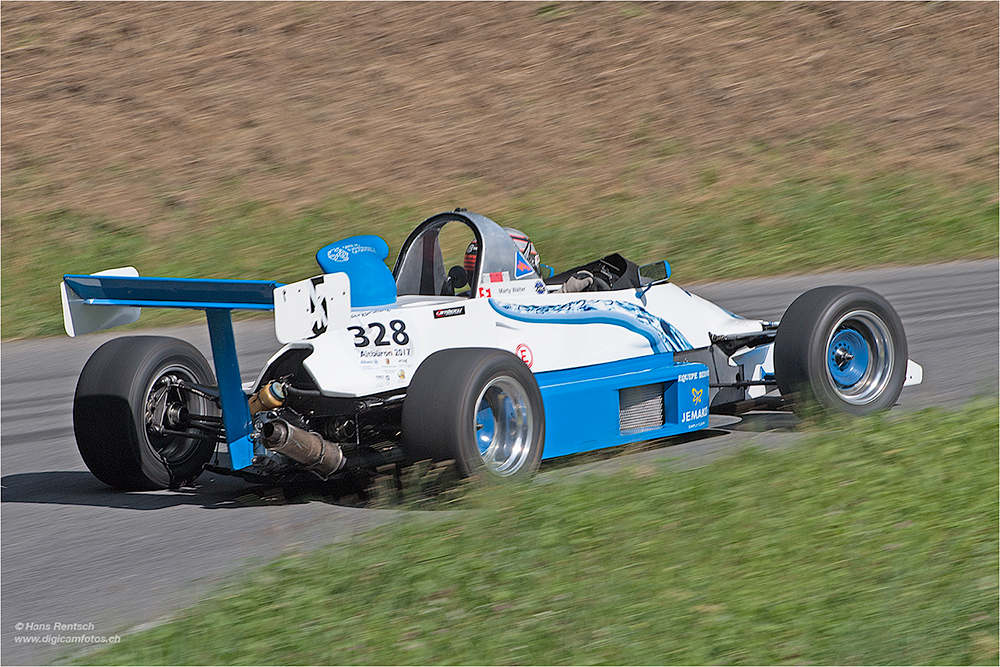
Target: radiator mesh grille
(640,408)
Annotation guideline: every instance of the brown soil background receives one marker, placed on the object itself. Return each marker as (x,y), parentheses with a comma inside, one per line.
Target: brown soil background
(138,111)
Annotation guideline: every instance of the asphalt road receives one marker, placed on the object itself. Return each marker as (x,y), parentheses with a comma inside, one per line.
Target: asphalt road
(76,552)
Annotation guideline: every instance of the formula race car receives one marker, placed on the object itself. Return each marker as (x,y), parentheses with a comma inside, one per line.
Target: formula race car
(463,352)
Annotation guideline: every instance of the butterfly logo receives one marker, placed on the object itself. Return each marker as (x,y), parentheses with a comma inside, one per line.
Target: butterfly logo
(696,395)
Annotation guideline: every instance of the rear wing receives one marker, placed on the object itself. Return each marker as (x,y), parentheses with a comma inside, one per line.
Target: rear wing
(304,310)
(114,297)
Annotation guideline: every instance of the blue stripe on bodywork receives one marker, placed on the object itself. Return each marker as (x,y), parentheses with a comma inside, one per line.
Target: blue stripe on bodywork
(662,336)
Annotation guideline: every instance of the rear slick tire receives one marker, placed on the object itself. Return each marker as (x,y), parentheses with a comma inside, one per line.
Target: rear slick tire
(480,407)
(112,406)
(840,349)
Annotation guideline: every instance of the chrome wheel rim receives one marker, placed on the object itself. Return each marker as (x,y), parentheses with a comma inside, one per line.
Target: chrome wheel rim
(859,357)
(503,426)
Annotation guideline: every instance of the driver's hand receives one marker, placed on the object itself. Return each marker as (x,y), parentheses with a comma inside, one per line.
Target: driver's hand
(578,282)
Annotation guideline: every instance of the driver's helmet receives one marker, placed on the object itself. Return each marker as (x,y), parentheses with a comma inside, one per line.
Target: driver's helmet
(521,242)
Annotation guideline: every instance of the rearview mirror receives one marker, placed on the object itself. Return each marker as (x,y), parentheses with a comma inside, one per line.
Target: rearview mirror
(655,272)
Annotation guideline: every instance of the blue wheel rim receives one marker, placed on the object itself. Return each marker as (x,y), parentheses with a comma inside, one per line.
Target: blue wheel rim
(847,357)
(486,426)
(860,356)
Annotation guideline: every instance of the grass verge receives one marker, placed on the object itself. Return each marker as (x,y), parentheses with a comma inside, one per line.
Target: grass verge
(873,542)
(798,225)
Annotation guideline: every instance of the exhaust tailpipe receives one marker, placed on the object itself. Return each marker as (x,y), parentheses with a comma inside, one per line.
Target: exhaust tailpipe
(317,454)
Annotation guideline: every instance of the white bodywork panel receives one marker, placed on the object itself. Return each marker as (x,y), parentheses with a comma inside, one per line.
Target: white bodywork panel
(379,349)
(914,373)
(694,316)
(308,308)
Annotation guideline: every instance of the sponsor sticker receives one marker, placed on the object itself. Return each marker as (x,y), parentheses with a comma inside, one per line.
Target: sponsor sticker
(524,352)
(358,314)
(693,415)
(342,253)
(449,312)
(694,410)
(687,377)
(338,254)
(521,267)
(383,347)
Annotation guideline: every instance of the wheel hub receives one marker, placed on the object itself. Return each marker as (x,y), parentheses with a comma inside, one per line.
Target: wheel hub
(167,410)
(842,356)
(848,357)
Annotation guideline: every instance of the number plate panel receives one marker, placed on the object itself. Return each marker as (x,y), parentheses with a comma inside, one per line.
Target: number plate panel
(310,307)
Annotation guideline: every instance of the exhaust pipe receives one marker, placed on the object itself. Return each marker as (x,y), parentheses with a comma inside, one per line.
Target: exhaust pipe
(319,455)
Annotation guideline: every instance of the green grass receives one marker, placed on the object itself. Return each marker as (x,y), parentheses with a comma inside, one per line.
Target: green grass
(796,226)
(873,542)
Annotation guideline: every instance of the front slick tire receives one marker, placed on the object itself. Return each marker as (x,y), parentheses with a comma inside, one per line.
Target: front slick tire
(840,349)
(480,407)
(118,390)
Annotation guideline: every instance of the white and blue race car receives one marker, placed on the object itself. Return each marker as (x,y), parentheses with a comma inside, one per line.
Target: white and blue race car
(485,363)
